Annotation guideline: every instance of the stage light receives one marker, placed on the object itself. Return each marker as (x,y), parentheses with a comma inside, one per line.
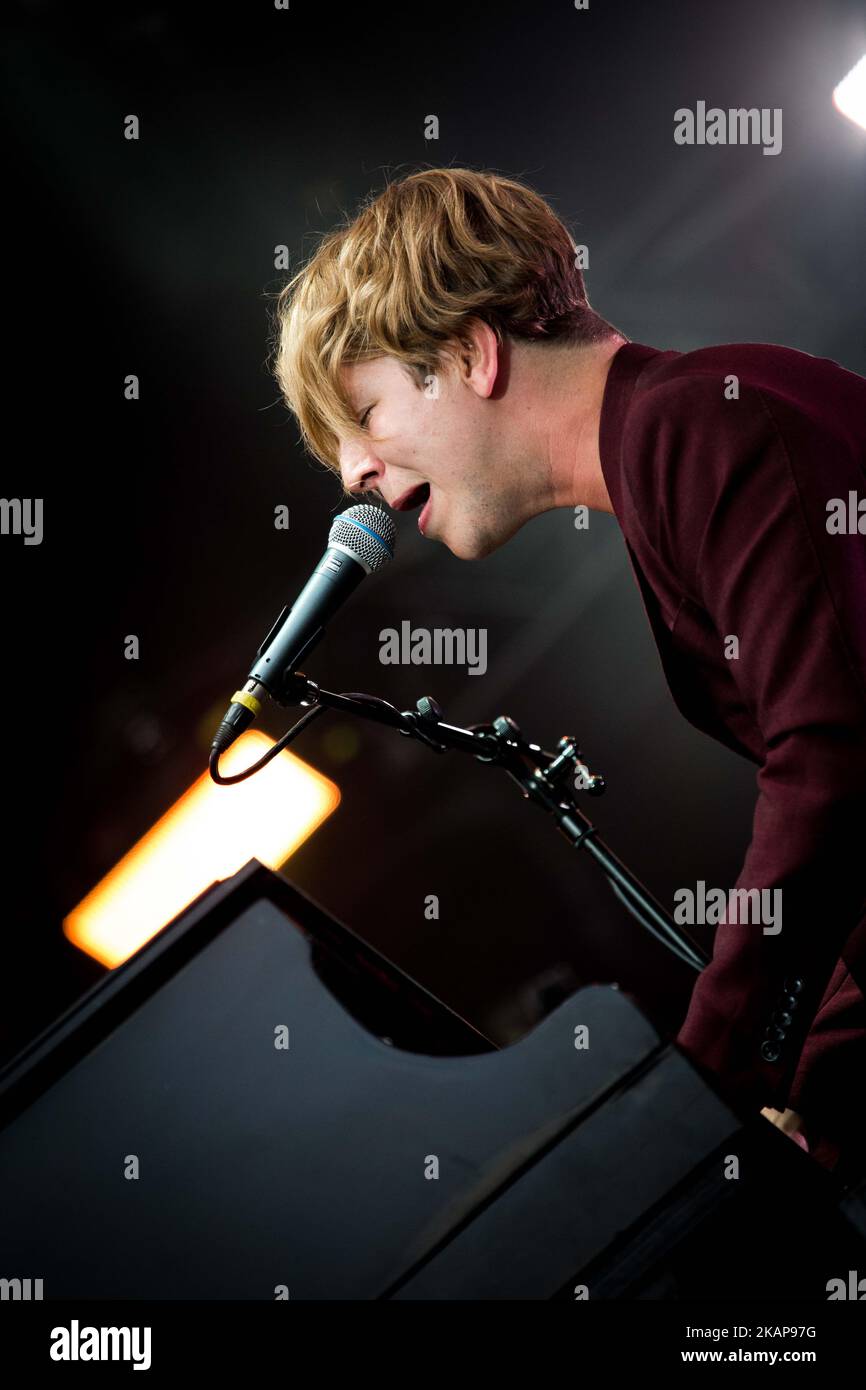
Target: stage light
(208,834)
(850,95)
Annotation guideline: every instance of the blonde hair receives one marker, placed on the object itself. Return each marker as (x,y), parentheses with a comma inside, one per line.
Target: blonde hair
(430,254)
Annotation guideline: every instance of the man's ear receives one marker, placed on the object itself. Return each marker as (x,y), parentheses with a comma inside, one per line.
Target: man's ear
(479,357)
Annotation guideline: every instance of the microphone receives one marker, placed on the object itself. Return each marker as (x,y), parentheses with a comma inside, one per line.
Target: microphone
(360,542)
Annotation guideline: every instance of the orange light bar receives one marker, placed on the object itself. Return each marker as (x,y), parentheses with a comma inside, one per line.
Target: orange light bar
(208,834)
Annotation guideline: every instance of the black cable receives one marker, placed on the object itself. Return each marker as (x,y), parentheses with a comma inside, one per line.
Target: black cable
(286,739)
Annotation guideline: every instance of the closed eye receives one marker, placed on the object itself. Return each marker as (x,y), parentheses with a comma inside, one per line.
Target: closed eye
(364,418)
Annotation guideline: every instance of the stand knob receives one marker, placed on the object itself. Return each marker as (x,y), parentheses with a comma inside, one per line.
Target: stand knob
(428,708)
(505,726)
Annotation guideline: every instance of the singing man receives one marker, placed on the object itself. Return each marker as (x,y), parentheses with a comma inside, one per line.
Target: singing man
(439,352)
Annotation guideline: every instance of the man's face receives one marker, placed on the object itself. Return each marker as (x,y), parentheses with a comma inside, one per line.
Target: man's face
(443,434)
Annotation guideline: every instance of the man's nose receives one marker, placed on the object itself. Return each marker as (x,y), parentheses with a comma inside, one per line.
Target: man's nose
(361,470)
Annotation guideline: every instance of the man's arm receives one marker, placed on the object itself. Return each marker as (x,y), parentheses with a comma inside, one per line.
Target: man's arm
(742,519)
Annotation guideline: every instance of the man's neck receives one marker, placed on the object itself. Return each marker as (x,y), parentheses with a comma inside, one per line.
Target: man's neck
(565,386)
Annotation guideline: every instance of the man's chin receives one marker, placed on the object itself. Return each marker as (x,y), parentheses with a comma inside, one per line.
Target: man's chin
(473,548)
(467,542)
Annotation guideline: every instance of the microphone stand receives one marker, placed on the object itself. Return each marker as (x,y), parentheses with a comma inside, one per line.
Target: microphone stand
(549,779)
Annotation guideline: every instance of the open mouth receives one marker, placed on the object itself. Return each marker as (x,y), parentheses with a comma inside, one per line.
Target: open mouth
(415,498)
(424,518)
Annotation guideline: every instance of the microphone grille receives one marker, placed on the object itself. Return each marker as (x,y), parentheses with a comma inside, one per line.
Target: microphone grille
(368,532)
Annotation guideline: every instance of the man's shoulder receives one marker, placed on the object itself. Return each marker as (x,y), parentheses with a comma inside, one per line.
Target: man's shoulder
(762,374)
(703,406)
(724,404)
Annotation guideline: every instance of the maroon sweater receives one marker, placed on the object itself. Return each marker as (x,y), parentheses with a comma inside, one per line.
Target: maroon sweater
(723,506)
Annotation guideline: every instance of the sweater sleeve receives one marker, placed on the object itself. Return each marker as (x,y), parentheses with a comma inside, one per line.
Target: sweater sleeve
(743,488)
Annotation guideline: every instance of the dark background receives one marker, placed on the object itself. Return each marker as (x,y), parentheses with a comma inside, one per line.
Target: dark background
(261,128)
